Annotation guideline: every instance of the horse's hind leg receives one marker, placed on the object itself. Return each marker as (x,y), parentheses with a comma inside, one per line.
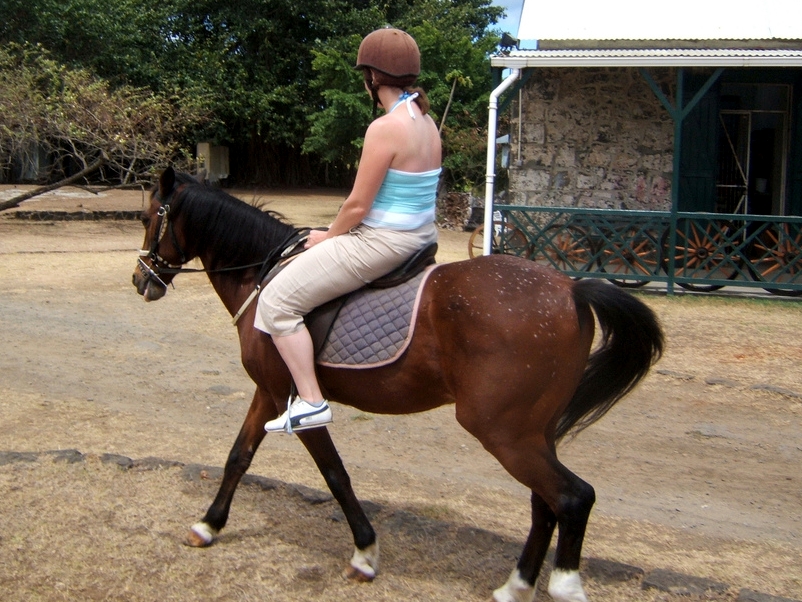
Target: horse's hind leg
(365,561)
(557,496)
(239,460)
(520,587)
(572,506)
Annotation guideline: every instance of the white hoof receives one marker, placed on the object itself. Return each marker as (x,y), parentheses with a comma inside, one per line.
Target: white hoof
(364,564)
(201,535)
(515,590)
(566,586)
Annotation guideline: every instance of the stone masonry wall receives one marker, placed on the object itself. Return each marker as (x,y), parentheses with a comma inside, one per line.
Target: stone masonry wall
(592,138)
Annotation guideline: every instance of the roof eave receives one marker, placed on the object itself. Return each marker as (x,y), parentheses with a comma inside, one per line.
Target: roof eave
(526,62)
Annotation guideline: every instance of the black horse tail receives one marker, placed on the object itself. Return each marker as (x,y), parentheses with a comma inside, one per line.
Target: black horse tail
(631,341)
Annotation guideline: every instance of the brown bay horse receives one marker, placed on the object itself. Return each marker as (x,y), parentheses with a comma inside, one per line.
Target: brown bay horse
(481,322)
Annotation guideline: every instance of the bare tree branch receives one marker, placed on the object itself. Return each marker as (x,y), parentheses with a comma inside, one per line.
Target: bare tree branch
(53,117)
(15,202)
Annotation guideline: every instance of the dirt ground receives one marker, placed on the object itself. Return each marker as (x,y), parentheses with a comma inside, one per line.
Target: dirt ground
(697,471)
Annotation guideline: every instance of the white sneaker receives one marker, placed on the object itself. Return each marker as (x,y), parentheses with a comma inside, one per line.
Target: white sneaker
(304,415)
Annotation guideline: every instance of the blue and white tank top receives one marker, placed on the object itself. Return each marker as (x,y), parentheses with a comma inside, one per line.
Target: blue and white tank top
(405,201)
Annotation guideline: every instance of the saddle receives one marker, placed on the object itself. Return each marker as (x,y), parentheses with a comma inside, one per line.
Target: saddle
(319,321)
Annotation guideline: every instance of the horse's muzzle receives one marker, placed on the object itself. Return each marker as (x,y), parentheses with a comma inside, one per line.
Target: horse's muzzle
(147,282)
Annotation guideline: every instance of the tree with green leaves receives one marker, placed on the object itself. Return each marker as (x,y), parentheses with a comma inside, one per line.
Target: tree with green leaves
(455,74)
(275,77)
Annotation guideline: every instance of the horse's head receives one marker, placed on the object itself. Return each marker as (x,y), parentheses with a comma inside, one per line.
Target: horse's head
(162,253)
(187,219)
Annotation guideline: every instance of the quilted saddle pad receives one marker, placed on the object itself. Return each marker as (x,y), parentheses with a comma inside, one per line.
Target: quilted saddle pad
(374,326)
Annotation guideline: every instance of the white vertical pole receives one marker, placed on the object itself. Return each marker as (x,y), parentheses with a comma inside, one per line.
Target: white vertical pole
(491,157)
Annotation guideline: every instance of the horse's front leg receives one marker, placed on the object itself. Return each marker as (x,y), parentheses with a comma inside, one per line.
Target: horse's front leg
(365,562)
(239,460)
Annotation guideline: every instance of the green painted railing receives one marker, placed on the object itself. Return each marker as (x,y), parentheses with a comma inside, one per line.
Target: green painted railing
(706,252)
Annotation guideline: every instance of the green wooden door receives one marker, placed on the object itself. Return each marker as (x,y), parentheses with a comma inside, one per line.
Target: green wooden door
(699,148)
(794,190)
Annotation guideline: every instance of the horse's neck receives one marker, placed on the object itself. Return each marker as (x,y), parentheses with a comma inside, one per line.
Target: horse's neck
(233,287)
(236,286)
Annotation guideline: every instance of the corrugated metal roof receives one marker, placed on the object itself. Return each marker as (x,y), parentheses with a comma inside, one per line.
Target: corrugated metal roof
(667,20)
(521,59)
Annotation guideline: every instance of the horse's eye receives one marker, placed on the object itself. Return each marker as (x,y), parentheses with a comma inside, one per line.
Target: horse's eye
(145,219)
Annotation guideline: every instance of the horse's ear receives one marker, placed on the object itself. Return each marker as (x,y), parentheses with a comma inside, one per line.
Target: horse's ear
(166,182)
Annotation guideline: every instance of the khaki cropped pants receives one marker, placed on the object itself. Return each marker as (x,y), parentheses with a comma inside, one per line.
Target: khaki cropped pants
(333,268)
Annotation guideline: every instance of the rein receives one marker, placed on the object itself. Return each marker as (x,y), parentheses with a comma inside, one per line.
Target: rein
(285,249)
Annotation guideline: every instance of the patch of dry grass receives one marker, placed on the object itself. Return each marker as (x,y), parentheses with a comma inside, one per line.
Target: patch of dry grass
(92,531)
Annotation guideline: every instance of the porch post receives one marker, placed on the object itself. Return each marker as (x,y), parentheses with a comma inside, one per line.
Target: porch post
(678,113)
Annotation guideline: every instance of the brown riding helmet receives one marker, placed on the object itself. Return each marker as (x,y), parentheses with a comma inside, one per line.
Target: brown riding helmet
(392,52)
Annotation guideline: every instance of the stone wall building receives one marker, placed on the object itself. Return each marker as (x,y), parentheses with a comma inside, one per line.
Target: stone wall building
(590,138)
(699,110)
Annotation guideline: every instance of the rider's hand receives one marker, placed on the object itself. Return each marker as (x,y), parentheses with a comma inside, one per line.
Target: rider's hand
(315,236)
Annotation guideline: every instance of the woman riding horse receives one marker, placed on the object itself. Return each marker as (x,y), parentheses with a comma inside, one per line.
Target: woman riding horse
(388,216)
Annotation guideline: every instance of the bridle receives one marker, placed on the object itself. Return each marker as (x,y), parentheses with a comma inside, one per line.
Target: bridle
(158,263)
(291,245)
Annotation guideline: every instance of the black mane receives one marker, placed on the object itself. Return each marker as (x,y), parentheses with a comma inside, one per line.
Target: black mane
(231,231)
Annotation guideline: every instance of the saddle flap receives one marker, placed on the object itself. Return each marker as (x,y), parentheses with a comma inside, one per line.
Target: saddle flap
(320,320)
(373,326)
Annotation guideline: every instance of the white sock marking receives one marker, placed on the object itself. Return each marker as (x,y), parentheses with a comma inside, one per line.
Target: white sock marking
(566,586)
(515,590)
(367,561)
(204,531)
